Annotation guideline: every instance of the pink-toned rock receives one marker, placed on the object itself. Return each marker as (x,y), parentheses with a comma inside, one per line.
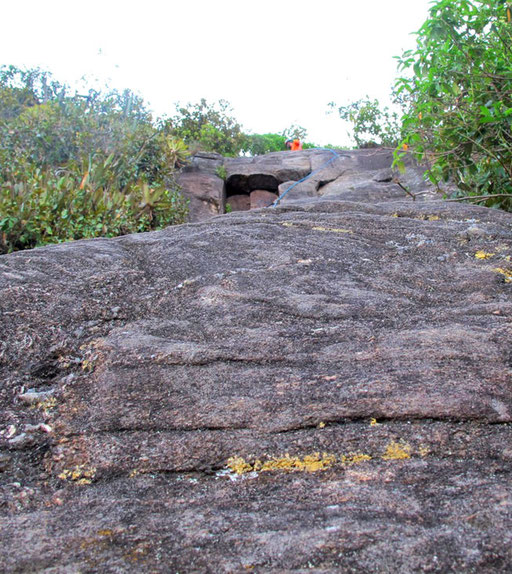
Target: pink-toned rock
(239,202)
(205,192)
(324,386)
(262,198)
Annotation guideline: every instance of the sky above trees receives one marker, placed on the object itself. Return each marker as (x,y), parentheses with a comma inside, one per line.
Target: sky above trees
(277,62)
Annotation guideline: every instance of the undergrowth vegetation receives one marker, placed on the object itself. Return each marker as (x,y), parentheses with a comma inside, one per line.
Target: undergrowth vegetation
(74,166)
(79,165)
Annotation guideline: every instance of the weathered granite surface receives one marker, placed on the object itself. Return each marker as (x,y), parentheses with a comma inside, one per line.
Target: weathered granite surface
(322,386)
(214,184)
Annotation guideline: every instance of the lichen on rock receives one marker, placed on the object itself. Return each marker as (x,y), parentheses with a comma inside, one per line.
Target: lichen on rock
(183,365)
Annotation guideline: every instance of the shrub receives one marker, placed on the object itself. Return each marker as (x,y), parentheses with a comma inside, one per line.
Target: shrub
(458,84)
(208,127)
(259,144)
(74,166)
(51,209)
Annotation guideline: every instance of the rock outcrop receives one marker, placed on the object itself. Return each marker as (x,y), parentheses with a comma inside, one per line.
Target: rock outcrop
(214,185)
(324,386)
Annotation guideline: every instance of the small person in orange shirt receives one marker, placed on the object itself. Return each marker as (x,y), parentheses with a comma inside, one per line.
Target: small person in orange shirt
(294,145)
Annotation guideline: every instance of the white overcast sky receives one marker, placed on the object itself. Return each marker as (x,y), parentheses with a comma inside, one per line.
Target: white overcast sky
(277,62)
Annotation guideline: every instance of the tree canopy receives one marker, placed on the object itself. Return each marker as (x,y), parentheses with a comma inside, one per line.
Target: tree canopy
(457,86)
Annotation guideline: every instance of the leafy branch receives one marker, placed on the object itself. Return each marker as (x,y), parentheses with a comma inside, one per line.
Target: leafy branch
(457,85)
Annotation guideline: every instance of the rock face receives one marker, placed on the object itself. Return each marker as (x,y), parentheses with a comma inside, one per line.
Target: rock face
(251,183)
(203,187)
(324,386)
(262,198)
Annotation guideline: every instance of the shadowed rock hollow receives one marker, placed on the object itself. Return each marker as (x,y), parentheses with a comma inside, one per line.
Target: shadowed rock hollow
(322,386)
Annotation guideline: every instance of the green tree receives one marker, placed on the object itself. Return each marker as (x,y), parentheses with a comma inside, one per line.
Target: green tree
(458,86)
(21,89)
(74,166)
(259,144)
(372,124)
(295,132)
(208,127)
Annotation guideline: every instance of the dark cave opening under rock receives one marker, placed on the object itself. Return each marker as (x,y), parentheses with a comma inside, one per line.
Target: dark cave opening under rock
(244,192)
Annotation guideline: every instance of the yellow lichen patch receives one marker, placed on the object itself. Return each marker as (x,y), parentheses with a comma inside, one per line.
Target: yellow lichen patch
(507,273)
(87,365)
(46,405)
(321,425)
(310,463)
(397,451)
(424,450)
(332,230)
(80,474)
(91,355)
(483,255)
(354,458)
(239,465)
(137,553)
(425,217)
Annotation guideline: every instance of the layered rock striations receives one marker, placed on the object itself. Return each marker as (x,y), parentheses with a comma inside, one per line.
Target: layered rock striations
(324,386)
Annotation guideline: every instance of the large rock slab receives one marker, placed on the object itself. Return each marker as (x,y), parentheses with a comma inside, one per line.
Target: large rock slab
(281,165)
(325,385)
(240,202)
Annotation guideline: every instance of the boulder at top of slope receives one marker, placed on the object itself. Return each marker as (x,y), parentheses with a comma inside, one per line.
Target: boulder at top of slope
(205,192)
(296,192)
(354,175)
(205,162)
(281,165)
(385,175)
(262,198)
(241,202)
